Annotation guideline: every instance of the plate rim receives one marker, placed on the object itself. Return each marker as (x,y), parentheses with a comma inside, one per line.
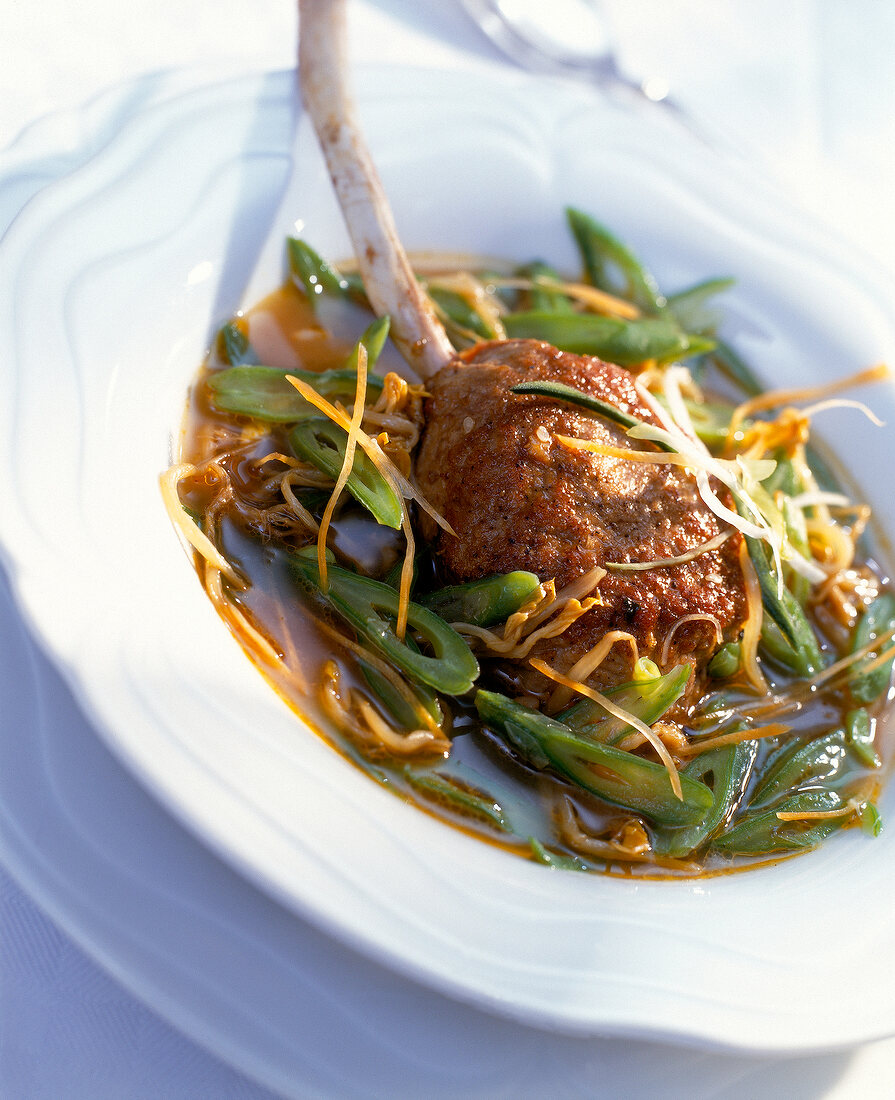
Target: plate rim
(72,678)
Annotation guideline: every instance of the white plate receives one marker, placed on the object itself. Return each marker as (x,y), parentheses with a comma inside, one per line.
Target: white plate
(113,281)
(268,993)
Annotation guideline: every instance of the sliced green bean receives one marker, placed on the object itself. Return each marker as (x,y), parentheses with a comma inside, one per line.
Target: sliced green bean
(458,310)
(878,621)
(264,392)
(611,338)
(556,860)
(371,607)
(689,309)
(315,275)
(542,296)
(785,610)
(323,443)
(485,602)
(408,715)
(611,265)
(726,772)
(871,822)
(795,766)
(647,700)
(620,778)
(726,662)
(465,800)
(763,833)
(233,343)
(859,732)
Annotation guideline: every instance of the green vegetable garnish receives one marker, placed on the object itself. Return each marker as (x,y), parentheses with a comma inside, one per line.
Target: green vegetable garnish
(323,443)
(619,777)
(878,621)
(371,607)
(485,602)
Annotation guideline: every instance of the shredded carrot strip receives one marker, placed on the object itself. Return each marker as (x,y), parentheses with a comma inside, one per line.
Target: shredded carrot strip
(654,458)
(774,398)
(883,658)
(347,464)
(590,661)
(752,625)
(200,542)
(852,658)
(773,729)
(400,485)
(239,622)
(617,712)
(406,577)
(850,807)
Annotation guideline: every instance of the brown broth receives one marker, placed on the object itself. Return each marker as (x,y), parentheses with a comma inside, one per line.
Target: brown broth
(285,332)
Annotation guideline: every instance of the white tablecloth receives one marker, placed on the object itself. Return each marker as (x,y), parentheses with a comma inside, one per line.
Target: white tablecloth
(808,87)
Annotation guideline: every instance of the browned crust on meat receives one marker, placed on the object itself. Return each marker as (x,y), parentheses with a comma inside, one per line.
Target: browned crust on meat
(518,499)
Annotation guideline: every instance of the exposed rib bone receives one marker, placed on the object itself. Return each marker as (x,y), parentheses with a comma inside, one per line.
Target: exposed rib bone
(388,278)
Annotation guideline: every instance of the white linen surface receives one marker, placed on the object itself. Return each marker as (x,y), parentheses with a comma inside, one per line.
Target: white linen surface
(807,87)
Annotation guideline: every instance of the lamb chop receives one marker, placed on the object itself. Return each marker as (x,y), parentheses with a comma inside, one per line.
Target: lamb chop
(488,460)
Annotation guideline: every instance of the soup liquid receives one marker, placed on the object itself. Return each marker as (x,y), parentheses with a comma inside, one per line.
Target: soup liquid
(284,331)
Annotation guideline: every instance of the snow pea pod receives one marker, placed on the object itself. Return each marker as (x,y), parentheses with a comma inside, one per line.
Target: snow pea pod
(878,621)
(801,653)
(322,443)
(711,420)
(763,833)
(619,777)
(784,478)
(264,392)
(859,733)
(795,766)
(233,343)
(647,700)
(611,265)
(555,860)
(726,662)
(467,800)
(408,715)
(689,309)
(485,602)
(726,772)
(611,338)
(457,309)
(315,275)
(541,296)
(797,535)
(371,608)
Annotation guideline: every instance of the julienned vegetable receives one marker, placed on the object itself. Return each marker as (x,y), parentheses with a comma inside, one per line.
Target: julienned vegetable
(369,605)
(470,698)
(323,444)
